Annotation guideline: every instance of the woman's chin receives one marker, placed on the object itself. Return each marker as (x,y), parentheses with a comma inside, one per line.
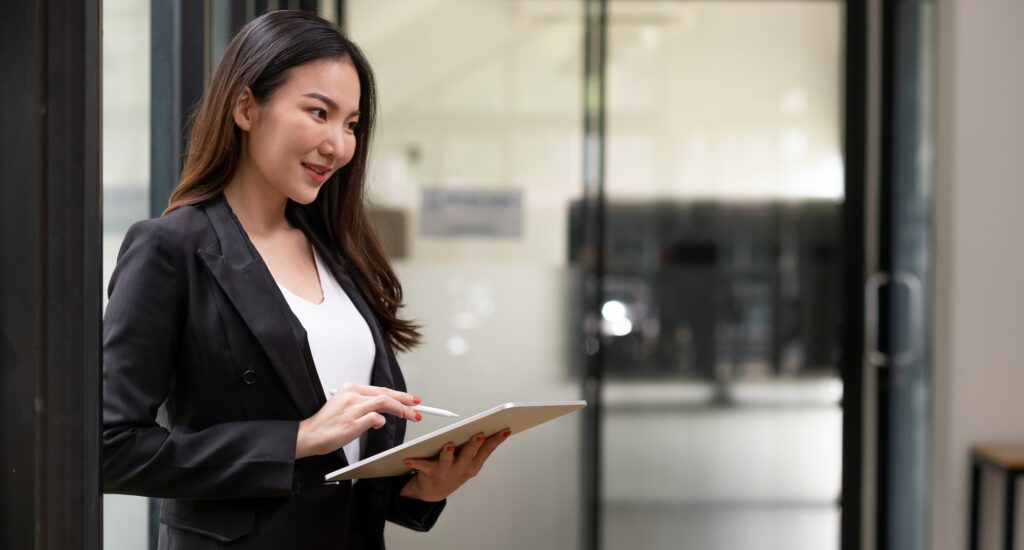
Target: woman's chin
(304,196)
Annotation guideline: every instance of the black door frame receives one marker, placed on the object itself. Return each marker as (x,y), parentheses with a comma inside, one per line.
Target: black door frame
(50,274)
(855,156)
(900,90)
(593,203)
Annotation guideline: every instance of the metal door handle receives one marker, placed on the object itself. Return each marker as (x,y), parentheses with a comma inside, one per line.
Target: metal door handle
(874,283)
(916,291)
(916,305)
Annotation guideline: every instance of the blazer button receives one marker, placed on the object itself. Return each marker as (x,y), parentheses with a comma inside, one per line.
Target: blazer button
(249,377)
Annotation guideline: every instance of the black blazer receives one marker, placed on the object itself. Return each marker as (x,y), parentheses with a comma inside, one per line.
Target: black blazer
(197,333)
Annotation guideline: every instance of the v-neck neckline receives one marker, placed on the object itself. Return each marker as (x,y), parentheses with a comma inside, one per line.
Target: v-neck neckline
(320,280)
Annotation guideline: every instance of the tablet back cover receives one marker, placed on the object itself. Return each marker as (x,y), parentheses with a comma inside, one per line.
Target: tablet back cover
(517,417)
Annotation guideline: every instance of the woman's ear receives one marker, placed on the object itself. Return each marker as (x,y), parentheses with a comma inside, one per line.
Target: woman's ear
(244,110)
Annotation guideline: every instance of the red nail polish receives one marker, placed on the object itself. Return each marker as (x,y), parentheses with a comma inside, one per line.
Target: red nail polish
(450,448)
(407,463)
(479,439)
(419,417)
(416,400)
(506,433)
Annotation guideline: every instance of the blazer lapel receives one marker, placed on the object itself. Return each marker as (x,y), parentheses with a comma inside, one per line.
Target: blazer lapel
(247,282)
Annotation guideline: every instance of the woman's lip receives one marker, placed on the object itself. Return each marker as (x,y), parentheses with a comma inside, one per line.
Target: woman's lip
(320,167)
(314,175)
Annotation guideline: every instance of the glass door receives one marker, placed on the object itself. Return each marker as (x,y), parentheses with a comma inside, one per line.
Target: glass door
(722,423)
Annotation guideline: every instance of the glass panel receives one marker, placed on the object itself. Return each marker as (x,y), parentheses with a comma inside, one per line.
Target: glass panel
(725,186)
(475,166)
(126,55)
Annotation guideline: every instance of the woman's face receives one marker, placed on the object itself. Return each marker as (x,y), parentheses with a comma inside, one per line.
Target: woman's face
(305,131)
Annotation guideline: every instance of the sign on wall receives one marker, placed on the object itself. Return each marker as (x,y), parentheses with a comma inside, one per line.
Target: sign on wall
(495,213)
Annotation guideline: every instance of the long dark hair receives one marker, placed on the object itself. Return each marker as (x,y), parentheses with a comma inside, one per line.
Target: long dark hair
(259,57)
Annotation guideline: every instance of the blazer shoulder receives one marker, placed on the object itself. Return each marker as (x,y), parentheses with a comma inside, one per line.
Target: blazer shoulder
(186,228)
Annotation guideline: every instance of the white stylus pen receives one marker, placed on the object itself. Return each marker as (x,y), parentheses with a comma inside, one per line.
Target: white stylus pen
(435,411)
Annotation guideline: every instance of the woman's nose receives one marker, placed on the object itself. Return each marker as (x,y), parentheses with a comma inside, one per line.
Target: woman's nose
(334,146)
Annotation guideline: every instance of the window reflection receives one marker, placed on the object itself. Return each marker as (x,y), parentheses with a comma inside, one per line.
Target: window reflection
(718,290)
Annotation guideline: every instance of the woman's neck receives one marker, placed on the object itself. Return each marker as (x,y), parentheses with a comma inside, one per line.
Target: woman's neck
(258,205)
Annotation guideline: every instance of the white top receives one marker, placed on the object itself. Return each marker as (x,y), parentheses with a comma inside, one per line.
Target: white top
(339,339)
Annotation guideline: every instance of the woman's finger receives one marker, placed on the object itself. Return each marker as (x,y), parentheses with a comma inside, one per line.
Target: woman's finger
(492,443)
(447,455)
(370,420)
(471,447)
(385,404)
(367,390)
(380,403)
(427,467)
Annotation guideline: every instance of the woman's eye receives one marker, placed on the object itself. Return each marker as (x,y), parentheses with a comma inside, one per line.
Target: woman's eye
(320,113)
(352,126)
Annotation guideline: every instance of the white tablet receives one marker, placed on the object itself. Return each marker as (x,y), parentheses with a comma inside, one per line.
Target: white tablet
(517,417)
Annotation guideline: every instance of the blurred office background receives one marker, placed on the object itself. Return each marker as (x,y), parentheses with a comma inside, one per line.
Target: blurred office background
(648,202)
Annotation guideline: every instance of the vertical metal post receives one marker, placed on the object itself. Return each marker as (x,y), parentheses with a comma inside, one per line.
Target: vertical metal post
(178,72)
(594,206)
(853,262)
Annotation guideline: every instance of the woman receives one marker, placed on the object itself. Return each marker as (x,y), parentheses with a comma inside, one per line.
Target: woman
(260,290)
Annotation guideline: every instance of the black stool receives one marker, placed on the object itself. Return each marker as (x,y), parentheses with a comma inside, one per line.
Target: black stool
(1008,459)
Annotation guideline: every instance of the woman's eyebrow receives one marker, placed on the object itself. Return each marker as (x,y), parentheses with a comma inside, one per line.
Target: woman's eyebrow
(330,103)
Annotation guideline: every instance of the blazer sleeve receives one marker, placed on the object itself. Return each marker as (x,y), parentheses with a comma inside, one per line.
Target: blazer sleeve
(142,330)
(418,515)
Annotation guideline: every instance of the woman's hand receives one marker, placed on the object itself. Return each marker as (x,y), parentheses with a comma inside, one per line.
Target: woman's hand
(352,410)
(436,479)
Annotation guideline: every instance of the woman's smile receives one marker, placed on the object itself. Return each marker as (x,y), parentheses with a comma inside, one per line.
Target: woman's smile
(316,172)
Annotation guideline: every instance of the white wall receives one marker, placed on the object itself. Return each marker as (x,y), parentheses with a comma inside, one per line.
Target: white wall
(979,382)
